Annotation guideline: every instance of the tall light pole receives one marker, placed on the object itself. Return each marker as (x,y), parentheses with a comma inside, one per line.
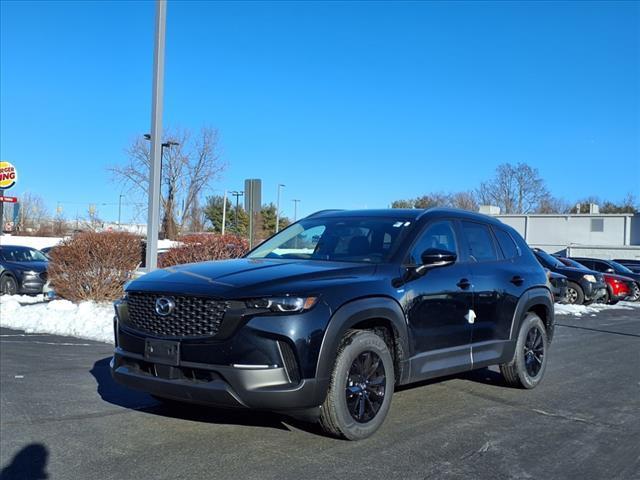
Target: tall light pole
(280,185)
(237,194)
(295,208)
(224,211)
(153,219)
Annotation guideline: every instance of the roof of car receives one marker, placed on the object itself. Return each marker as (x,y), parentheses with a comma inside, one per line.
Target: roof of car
(408,213)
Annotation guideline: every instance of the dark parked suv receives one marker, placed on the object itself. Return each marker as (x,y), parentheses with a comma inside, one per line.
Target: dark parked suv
(328,316)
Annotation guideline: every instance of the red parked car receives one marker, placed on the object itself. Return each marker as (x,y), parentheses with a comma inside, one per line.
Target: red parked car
(618,288)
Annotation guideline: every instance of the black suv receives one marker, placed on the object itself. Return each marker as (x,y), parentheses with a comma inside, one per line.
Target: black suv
(328,316)
(611,266)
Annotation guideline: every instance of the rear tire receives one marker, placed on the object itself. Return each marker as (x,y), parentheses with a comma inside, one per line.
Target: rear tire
(575,295)
(361,387)
(530,359)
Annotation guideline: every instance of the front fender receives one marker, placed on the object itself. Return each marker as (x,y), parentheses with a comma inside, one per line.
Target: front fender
(358,311)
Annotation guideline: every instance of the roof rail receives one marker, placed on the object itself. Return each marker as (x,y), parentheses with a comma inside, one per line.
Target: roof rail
(325,211)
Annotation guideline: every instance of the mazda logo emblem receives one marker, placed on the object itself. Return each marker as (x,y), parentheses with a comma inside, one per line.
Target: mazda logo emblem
(164,306)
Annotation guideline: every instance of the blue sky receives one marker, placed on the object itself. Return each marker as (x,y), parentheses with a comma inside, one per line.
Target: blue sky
(350,105)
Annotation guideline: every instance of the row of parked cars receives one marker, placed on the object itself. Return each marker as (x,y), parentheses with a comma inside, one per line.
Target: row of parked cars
(582,281)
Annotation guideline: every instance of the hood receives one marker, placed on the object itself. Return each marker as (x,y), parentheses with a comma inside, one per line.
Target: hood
(25,266)
(245,277)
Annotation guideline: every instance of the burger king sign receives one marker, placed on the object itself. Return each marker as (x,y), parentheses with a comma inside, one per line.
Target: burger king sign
(8,175)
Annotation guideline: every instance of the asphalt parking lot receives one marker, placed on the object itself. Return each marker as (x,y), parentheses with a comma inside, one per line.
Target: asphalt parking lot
(62,416)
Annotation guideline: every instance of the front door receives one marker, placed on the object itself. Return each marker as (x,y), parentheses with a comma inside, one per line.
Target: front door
(437,305)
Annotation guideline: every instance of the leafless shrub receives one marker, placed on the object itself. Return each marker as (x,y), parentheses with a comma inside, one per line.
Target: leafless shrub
(203,247)
(94,266)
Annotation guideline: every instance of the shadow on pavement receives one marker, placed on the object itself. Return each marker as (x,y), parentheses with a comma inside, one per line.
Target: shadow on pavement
(116,394)
(28,464)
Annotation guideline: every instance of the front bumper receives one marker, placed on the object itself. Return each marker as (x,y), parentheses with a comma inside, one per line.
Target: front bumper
(593,291)
(263,362)
(215,385)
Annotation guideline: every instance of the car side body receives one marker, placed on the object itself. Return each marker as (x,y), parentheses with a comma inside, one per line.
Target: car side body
(458,310)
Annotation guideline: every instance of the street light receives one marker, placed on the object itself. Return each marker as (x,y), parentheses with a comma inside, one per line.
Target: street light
(280,185)
(237,194)
(295,209)
(168,144)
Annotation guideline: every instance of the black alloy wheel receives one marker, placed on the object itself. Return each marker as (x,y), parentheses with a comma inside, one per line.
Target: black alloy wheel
(534,351)
(365,387)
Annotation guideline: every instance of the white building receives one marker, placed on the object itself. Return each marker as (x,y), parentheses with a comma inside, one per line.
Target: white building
(588,235)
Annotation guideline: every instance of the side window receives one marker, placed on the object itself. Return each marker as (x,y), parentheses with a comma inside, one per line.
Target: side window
(437,235)
(480,242)
(507,245)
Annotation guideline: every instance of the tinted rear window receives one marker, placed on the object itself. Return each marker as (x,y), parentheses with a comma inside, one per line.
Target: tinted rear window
(480,242)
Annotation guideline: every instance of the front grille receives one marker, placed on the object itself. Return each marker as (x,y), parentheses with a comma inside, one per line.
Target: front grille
(191,317)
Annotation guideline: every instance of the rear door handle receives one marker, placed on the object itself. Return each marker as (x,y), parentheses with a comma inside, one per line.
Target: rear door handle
(517,280)
(464,284)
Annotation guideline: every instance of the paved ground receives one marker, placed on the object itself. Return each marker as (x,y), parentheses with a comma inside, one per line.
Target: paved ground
(61,415)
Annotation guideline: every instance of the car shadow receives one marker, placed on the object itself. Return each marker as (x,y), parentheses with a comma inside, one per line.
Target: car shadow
(116,394)
(30,463)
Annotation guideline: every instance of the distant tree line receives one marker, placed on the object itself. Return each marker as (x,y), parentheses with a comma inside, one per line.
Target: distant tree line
(516,189)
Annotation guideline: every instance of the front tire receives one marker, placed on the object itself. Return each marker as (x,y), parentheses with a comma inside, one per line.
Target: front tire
(8,285)
(530,360)
(361,387)
(575,295)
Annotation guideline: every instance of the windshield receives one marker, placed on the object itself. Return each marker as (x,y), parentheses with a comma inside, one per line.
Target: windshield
(371,240)
(619,267)
(547,259)
(22,254)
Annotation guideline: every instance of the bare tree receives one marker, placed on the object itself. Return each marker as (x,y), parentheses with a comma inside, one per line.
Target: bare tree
(464,200)
(33,212)
(514,188)
(551,204)
(187,168)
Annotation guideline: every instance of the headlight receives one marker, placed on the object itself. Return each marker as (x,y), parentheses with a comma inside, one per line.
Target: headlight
(282,304)
(589,278)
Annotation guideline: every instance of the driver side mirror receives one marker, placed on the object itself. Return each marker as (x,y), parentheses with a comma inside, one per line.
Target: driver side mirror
(434,258)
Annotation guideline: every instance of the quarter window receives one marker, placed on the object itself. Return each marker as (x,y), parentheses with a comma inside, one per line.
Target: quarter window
(507,245)
(480,242)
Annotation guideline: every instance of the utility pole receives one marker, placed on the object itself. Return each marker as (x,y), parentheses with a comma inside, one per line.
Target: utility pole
(295,209)
(280,185)
(153,220)
(224,211)
(119,209)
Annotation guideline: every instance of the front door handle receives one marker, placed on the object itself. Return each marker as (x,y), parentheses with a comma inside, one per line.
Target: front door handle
(517,280)
(464,284)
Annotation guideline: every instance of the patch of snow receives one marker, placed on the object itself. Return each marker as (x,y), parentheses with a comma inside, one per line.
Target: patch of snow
(90,320)
(579,310)
(33,242)
(25,299)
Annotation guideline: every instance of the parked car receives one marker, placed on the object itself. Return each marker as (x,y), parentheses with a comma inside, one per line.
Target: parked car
(559,284)
(583,286)
(618,288)
(611,266)
(24,270)
(332,313)
(47,251)
(633,265)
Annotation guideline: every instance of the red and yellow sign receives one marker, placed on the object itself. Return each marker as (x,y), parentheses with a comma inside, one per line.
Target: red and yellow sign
(8,175)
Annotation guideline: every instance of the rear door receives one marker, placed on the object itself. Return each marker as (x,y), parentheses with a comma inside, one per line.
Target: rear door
(498,284)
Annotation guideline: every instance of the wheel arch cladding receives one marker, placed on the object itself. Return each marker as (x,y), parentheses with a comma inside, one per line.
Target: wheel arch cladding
(383,315)
(539,302)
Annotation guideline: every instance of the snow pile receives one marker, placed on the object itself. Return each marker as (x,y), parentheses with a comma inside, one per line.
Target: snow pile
(33,242)
(26,299)
(580,310)
(90,320)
